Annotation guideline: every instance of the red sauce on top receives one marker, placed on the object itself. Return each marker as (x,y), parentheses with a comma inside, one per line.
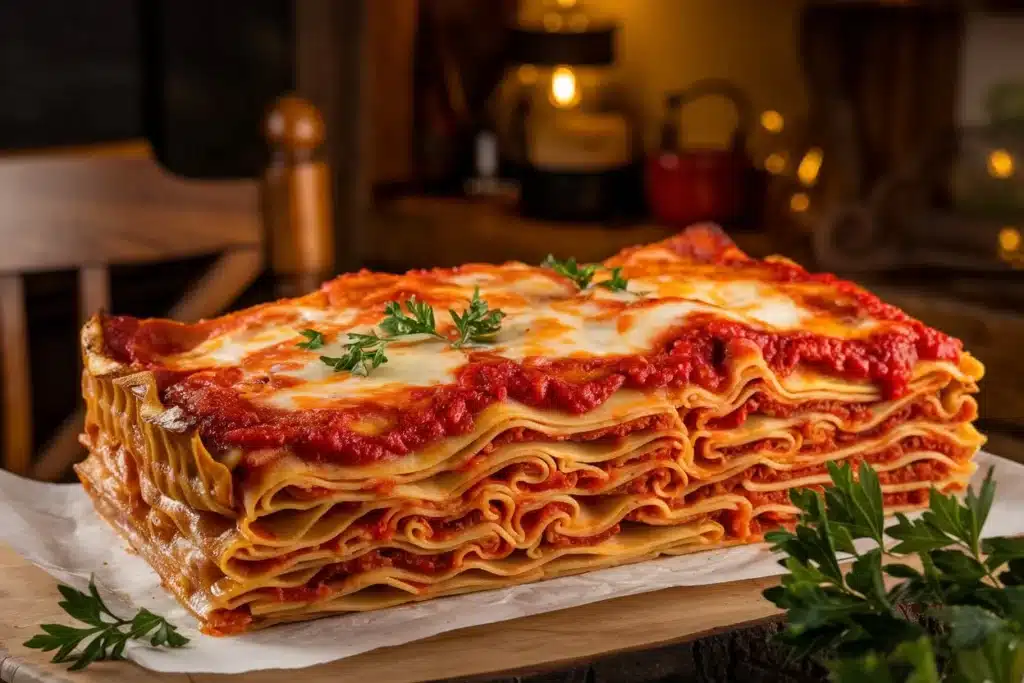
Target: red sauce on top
(698,353)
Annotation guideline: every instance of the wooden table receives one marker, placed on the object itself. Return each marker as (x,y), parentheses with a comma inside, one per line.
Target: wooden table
(426,232)
(548,641)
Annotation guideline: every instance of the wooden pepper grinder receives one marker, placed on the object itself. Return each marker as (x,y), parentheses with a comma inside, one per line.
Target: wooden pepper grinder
(297,199)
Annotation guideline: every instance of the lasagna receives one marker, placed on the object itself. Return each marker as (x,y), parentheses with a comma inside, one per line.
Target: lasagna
(278,464)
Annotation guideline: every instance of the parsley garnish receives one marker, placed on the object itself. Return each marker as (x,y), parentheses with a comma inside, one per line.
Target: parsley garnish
(616,282)
(103,637)
(583,275)
(314,340)
(364,352)
(974,588)
(398,324)
(477,323)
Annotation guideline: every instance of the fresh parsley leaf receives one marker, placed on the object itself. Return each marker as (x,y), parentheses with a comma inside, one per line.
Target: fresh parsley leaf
(957,566)
(999,551)
(398,324)
(477,323)
(969,625)
(80,606)
(583,274)
(812,545)
(105,636)
(314,340)
(850,612)
(902,571)
(616,282)
(865,577)
(1000,659)
(977,509)
(916,536)
(580,274)
(363,353)
(912,661)
(856,505)
(919,656)
(946,514)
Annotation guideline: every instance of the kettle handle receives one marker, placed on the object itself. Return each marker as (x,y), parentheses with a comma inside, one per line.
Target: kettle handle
(675,101)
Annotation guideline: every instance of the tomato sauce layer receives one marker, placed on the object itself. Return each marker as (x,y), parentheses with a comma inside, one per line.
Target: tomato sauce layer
(320,587)
(383,524)
(697,354)
(921,470)
(817,439)
(428,564)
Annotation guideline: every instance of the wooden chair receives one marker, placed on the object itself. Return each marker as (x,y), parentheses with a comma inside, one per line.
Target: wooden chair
(89,212)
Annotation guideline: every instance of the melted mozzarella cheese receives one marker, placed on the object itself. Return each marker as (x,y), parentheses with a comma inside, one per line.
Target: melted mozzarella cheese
(755,300)
(546,316)
(546,331)
(410,364)
(233,347)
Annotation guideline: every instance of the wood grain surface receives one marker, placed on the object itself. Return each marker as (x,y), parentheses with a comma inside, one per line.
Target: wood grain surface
(63,213)
(425,232)
(16,409)
(29,597)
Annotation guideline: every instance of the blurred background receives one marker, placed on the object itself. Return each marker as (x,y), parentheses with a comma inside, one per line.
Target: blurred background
(149,165)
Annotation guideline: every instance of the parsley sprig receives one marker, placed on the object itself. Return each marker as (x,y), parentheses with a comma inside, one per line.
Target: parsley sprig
(314,340)
(478,323)
(972,587)
(398,324)
(365,352)
(105,634)
(583,274)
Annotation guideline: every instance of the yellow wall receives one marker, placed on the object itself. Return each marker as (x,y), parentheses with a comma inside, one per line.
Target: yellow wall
(666,44)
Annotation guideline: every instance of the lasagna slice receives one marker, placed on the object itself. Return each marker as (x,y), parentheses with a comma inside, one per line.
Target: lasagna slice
(669,413)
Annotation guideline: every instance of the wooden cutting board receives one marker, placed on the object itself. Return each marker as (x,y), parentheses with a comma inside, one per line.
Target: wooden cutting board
(28,597)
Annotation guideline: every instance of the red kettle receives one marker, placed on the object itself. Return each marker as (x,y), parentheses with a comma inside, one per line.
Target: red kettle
(687,186)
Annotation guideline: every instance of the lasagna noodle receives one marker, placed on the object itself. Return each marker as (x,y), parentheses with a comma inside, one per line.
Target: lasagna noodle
(111,476)
(235,583)
(200,584)
(251,536)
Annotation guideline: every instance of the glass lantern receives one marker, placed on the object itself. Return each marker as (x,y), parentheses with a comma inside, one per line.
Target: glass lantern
(563,127)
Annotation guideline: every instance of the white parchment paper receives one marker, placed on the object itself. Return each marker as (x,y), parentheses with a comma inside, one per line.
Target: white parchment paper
(55,527)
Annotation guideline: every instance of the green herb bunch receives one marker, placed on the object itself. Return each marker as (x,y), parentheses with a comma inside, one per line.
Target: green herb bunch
(105,634)
(583,274)
(365,352)
(939,568)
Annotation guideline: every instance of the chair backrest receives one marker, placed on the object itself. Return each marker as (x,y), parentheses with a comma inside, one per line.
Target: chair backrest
(86,213)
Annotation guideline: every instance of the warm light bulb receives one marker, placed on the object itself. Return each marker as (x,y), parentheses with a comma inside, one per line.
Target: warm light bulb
(775,163)
(772,121)
(1000,163)
(553,22)
(809,166)
(799,202)
(1009,239)
(566,4)
(563,87)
